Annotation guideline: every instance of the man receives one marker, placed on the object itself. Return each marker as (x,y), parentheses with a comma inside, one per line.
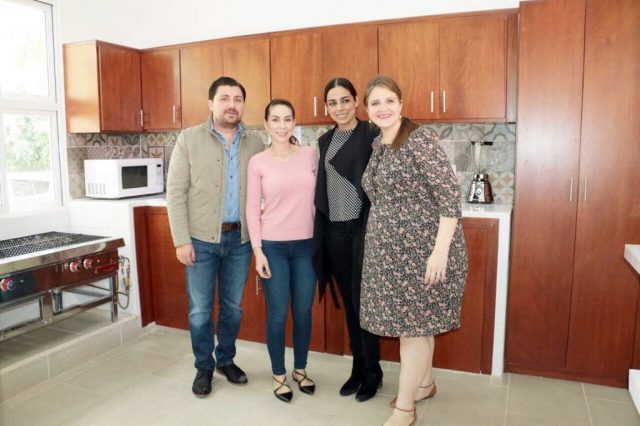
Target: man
(206,189)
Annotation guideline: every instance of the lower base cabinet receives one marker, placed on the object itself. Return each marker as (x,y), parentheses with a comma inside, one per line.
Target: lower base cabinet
(163,297)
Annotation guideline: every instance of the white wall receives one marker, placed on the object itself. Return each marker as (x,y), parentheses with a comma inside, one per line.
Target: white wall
(151,23)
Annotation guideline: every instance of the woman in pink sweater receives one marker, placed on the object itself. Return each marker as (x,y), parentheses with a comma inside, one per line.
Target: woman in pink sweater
(280,190)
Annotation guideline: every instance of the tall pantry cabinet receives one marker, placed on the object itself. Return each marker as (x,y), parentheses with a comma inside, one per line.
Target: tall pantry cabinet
(572,297)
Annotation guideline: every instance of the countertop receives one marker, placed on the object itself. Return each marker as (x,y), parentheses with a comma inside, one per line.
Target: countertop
(632,254)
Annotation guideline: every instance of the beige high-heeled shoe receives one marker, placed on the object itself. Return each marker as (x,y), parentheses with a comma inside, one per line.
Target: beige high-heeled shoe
(431,394)
(414,417)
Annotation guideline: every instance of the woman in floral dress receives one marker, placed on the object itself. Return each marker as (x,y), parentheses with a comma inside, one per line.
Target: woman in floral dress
(415,261)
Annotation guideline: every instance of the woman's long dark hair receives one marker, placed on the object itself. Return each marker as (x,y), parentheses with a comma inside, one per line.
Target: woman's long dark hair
(339,82)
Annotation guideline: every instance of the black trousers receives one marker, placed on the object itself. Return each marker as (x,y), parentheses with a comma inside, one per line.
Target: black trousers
(344,246)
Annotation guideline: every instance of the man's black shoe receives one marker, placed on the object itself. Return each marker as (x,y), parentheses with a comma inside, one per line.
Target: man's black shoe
(202,383)
(233,373)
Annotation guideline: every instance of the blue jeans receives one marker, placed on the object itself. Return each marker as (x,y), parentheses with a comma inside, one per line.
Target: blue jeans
(292,275)
(228,261)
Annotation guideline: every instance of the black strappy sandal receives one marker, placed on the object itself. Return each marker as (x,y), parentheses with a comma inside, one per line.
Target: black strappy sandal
(284,396)
(308,389)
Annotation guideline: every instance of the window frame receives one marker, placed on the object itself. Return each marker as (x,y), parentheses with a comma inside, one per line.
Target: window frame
(51,105)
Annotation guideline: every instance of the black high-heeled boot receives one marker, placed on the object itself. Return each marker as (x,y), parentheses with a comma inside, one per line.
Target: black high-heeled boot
(370,385)
(354,381)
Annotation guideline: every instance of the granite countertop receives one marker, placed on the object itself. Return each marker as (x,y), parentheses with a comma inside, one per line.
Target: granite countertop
(632,254)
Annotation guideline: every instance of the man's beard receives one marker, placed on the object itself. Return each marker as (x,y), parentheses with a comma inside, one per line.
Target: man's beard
(228,122)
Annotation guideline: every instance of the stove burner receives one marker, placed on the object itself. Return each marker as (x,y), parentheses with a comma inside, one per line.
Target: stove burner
(41,242)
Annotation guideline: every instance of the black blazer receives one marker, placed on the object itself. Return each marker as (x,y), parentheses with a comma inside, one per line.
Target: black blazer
(350,162)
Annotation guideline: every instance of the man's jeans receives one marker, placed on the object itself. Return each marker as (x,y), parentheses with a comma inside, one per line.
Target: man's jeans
(229,262)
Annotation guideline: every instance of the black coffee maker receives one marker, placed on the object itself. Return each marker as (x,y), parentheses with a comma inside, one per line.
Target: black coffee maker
(480,190)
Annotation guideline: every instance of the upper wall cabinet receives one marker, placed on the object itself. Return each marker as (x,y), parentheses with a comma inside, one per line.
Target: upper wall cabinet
(295,71)
(200,64)
(247,61)
(303,63)
(450,69)
(161,89)
(351,53)
(102,88)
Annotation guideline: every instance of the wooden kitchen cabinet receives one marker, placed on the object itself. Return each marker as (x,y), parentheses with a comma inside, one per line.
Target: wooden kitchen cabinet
(102,88)
(295,74)
(470,347)
(200,65)
(247,60)
(572,299)
(449,69)
(303,63)
(160,70)
(410,54)
(161,279)
(350,53)
(162,285)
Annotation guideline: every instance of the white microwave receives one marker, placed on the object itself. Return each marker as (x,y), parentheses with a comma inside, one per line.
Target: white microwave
(119,178)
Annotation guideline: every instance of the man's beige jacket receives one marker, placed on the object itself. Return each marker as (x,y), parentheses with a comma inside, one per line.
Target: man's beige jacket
(196,184)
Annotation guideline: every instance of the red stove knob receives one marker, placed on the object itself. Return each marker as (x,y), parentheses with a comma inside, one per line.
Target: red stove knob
(87,263)
(74,265)
(7,284)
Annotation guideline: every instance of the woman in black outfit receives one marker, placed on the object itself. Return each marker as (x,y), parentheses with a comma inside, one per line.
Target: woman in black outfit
(342,208)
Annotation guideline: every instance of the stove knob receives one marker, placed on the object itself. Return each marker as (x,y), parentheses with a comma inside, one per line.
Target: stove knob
(87,263)
(7,284)
(74,266)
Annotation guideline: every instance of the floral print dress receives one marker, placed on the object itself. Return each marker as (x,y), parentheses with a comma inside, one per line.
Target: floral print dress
(410,188)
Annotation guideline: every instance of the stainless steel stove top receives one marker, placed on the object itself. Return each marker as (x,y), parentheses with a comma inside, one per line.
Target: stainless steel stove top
(35,251)
(41,242)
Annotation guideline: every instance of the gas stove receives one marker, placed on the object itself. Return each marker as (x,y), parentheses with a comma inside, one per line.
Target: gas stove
(41,267)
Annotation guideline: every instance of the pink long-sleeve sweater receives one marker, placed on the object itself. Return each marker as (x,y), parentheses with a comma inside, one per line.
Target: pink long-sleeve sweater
(287,188)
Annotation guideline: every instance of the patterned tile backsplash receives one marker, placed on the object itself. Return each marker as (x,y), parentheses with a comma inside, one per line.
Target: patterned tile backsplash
(497,159)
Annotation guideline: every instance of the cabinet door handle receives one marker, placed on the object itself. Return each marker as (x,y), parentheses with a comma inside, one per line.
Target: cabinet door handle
(173,112)
(444,101)
(141,118)
(571,191)
(432,101)
(257,284)
(315,106)
(586,183)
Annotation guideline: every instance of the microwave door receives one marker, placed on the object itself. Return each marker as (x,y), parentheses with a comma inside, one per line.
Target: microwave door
(134,177)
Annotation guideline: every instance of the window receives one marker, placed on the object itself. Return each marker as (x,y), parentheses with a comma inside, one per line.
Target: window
(29,108)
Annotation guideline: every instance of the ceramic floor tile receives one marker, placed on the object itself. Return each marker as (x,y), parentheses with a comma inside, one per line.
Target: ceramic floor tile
(120,371)
(20,347)
(372,412)
(607,392)
(52,406)
(458,403)
(84,322)
(527,420)
(85,349)
(604,413)
(164,343)
(15,380)
(547,398)
(153,401)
